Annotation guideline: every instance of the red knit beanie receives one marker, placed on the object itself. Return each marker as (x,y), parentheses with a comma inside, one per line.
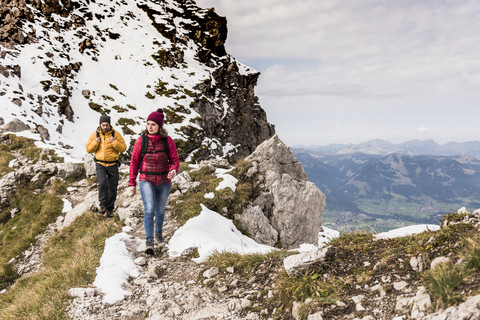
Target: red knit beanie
(157,116)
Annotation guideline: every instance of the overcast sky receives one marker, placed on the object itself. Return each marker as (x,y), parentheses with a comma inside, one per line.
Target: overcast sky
(342,71)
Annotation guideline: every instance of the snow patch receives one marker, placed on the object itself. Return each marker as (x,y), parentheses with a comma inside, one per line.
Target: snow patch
(407,231)
(210,232)
(116,266)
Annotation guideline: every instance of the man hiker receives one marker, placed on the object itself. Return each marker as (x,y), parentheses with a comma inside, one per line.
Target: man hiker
(107,144)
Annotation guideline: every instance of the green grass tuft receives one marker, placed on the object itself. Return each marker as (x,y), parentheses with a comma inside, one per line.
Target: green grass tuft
(444,283)
(70,259)
(5,158)
(309,285)
(245,264)
(36,212)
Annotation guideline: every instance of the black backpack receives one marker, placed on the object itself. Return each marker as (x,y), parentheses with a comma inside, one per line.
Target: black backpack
(96,160)
(144,151)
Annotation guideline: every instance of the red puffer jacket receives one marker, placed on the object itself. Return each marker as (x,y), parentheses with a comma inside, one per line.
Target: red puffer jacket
(153,162)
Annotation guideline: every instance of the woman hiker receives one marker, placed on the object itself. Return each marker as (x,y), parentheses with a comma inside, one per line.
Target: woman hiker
(155,156)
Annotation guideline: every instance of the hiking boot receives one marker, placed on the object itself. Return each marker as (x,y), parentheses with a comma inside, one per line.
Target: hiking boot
(149,245)
(158,237)
(109,213)
(101,210)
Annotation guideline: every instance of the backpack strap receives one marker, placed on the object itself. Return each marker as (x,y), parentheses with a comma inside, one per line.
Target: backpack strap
(144,149)
(96,160)
(167,149)
(98,133)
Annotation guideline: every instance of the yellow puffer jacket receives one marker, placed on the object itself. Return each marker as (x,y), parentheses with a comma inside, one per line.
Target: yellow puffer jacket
(106,150)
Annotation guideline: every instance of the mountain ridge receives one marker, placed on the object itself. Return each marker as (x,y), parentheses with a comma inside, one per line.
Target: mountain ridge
(393,188)
(411,147)
(149,54)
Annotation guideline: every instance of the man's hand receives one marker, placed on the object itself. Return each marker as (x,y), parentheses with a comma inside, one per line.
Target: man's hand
(133,189)
(112,139)
(98,140)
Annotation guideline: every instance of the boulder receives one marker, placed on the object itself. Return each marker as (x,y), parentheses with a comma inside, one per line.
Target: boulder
(258,226)
(470,309)
(48,168)
(70,170)
(421,303)
(43,132)
(295,207)
(184,182)
(15,125)
(89,164)
(300,262)
(418,263)
(438,261)
(8,185)
(88,204)
(10,181)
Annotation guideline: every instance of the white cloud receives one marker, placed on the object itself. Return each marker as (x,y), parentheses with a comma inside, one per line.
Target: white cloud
(424,129)
(379,58)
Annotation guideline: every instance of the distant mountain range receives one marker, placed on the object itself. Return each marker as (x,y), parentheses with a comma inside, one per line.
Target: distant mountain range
(415,185)
(413,148)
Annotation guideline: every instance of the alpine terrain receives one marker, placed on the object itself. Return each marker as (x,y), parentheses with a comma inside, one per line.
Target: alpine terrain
(244,235)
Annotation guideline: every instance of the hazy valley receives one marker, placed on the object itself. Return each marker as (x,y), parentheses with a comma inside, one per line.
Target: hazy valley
(380,185)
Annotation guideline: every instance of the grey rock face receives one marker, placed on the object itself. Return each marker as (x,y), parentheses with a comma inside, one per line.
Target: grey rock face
(15,125)
(8,185)
(70,170)
(258,225)
(184,182)
(470,309)
(43,132)
(89,165)
(295,208)
(418,263)
(245,123)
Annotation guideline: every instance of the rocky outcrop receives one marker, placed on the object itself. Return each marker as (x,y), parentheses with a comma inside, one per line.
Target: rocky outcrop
(8,186)
(470,309)
(224,116)
(292,205)
(230,114)
(259,227)
(14,13)
(15,125)
(89,164)
(41,174)
(233,117)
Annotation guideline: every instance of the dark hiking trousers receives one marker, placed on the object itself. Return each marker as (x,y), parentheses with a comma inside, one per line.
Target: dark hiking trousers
(107,185)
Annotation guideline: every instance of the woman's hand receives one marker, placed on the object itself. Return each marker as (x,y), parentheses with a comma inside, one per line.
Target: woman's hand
(133,189)
(171,174)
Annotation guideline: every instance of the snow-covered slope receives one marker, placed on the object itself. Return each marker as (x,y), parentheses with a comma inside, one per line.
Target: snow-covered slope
(124,58)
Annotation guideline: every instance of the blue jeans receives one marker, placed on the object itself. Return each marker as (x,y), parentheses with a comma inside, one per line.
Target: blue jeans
(154,202)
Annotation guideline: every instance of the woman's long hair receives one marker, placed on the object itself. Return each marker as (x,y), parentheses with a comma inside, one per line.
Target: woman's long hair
(161,132)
